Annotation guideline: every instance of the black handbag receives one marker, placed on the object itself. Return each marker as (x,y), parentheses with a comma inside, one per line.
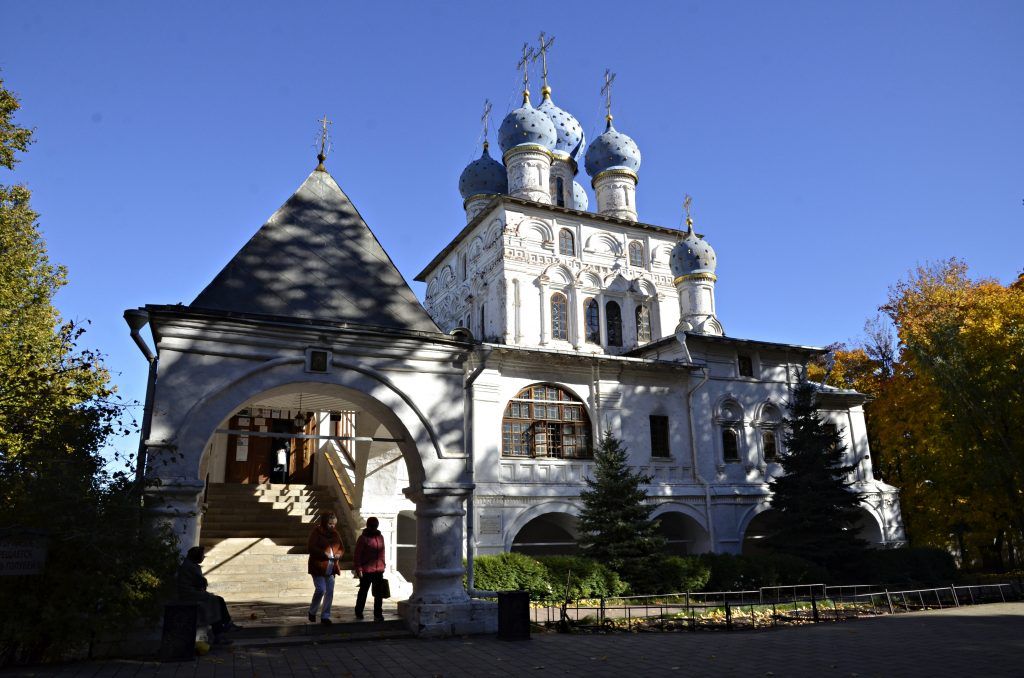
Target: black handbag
(381,588)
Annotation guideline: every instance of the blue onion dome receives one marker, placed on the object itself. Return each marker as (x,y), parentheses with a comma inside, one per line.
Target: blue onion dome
(612,150)
(525,126)
(692,255)
(483,176)
(571,140)
(580,201)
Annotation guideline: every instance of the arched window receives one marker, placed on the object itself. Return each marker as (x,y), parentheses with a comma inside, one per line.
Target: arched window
(592,315)
(643,324)
(730,419)
(636,254)
(566,244)
(613,316)
(559,317)
(730,445)
(545,421)
(560,190)
(769,444)
(770,420)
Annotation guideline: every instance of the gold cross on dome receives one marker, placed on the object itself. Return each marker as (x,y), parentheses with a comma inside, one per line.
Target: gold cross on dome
(686,208)
(524,64)
(543,54)
(606,90)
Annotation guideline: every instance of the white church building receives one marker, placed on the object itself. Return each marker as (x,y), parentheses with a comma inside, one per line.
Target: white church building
(467,423)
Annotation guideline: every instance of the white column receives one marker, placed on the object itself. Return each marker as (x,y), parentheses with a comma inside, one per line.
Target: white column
(544,310)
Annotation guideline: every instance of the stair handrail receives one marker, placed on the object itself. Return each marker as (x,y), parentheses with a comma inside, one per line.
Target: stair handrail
(342,479)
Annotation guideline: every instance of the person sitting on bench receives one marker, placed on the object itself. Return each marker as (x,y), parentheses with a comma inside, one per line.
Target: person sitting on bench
(192,588)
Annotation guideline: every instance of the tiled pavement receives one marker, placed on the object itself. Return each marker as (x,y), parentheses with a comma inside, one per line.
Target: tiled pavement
(985,640)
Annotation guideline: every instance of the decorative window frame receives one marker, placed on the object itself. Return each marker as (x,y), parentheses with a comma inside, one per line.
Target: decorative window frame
(557,297)
(635,246)
(608,323)
(582,425)
(562,234)
(769,419)
(589,338)
(735,421)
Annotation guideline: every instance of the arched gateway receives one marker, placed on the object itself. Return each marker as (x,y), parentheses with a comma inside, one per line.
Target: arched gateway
(309,344)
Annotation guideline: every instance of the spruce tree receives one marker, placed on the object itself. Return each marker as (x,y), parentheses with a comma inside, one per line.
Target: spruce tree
(817,510)
(615,525)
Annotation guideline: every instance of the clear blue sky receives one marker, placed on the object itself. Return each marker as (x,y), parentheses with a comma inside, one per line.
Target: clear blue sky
(829,146)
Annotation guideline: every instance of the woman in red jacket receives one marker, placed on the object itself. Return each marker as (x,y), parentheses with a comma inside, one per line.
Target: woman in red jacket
(369,567)
(325,551)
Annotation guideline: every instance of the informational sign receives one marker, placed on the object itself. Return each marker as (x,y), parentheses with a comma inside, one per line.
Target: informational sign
(22,552)
(490,524)
(242,448)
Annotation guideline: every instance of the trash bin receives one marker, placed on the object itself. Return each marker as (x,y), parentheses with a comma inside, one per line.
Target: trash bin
(514,615)
(178,640)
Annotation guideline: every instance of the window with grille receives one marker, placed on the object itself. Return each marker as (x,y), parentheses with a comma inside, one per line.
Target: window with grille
(545,421)
(746,365)
(636,254)
(659,435)
(592,316)
(559,317)
(643,324)
(613,317)
(566,243)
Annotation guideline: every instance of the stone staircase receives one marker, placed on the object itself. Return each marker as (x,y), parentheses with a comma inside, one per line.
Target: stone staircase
(255,538)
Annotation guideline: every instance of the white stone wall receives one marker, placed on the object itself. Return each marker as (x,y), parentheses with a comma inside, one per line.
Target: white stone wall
(511,264)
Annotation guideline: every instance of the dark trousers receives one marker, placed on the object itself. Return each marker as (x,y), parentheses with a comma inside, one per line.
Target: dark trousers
(365,582)
(225,617)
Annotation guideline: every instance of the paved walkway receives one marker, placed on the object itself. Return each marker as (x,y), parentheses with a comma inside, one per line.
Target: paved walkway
(986,640)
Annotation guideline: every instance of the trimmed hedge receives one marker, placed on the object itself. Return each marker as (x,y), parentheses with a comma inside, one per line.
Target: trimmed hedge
(587,578)
(545,577)
(511,572)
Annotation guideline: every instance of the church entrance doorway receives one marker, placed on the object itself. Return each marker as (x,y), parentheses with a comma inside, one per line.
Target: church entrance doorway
(277,463)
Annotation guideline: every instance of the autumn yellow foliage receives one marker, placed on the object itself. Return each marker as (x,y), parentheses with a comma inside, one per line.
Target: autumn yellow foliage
(946,422)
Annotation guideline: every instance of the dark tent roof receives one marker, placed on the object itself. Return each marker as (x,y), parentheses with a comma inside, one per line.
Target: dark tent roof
(316,258)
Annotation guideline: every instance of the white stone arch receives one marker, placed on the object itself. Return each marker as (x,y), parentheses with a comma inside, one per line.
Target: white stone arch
(362,386)
(646,287)
(432,288)
(769,413)
(520,520)
(871,526)
(722,401)
(476,247)
(679,507)
(446,277)
(701,537)
(536,231)
(603,243)
(493,233)
(748,516)
(617,283)
(558,274)
(510,390)
(589,280)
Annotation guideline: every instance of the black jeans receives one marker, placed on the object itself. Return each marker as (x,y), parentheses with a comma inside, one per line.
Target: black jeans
(225,617)
(365,582)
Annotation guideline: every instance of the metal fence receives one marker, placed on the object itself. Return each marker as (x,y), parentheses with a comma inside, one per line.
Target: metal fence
(761,608)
